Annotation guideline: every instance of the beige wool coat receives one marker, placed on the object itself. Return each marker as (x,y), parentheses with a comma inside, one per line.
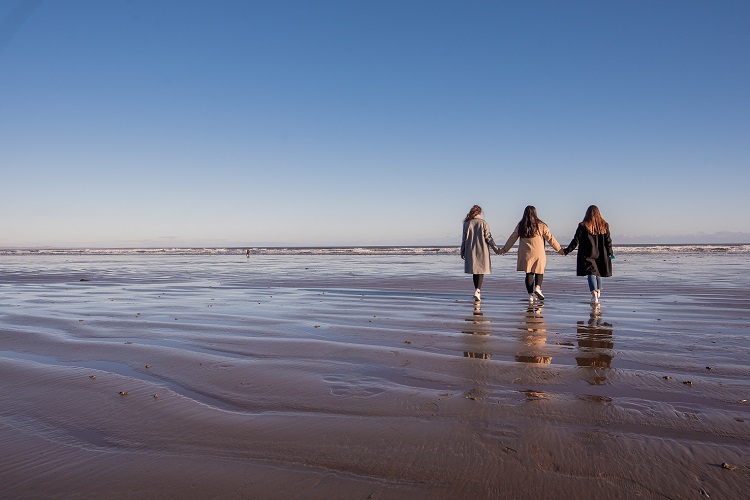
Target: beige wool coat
(476,241)
(531,255)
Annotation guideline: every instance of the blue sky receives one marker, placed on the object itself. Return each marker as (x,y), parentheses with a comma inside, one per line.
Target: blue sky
(251,123)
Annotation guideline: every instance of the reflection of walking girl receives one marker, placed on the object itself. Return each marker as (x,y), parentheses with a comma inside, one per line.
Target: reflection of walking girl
(531,255)
(594,251)
(533,339)
(476,241)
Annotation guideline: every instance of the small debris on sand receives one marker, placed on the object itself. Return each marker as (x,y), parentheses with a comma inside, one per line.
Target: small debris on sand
(475,394)
(123,393)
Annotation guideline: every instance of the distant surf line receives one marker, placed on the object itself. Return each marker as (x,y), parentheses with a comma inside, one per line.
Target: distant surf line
(349,250)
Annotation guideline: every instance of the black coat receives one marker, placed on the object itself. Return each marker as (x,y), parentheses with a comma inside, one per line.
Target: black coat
(594,251)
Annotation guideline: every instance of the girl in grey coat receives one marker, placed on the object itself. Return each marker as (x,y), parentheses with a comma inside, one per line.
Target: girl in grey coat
(476,241)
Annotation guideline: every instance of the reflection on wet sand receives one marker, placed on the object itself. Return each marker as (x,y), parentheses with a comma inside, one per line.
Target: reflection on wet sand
(533,338)
(477,355)
(595,344)
(479,325)
(533,395)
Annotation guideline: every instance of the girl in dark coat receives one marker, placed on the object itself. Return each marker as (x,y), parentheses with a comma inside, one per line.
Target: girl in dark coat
(594,251)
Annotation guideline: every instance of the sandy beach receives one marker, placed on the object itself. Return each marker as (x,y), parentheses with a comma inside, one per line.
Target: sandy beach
(372,376)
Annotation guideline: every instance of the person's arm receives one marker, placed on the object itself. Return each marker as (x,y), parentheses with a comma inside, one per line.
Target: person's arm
(489,240)
(511,240)
(463,240)
(550,239)
(608,245)
(574,242)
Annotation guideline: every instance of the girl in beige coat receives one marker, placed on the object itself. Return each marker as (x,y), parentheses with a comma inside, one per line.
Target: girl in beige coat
(531,255)
(476,241)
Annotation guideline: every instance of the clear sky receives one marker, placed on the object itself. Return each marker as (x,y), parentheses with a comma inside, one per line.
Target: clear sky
(377,122)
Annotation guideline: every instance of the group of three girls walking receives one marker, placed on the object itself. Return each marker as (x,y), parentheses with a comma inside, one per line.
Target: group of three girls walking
(592,238)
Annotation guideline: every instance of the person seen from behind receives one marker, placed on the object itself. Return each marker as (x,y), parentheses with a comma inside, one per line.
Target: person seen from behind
(532,258)
(595,253)
(476,241)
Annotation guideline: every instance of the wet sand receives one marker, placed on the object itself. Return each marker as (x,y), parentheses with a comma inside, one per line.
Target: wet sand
(371,377)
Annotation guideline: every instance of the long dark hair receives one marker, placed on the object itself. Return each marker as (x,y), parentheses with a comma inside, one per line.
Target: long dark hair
(594,222)
(475,210)
(529,225)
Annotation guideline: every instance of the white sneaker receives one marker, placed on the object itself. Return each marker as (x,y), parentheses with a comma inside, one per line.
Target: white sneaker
(531,298)
(477,295)
(594,300)
(538,292)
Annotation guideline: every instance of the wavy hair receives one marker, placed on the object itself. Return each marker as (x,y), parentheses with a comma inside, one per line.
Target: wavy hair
(529,225)
(473,213)
(594,222)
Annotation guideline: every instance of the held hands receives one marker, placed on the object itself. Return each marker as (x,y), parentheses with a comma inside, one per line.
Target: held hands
(562,251)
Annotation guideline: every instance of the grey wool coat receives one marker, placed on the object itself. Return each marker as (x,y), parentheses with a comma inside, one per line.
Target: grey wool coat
(476,242)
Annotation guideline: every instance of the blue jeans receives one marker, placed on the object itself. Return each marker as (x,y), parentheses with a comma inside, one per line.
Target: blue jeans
(595,282)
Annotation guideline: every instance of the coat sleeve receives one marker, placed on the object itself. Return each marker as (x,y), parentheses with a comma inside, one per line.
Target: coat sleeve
(489,240)
(550,239)
(511,240)
(463,240)
(574,242)
(608,244)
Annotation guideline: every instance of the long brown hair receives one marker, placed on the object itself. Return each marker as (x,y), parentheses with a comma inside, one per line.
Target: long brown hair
(529,225)
(475,210)
(594,222)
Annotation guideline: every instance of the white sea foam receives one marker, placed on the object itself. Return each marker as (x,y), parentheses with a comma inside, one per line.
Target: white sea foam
(364,250)
(669,249)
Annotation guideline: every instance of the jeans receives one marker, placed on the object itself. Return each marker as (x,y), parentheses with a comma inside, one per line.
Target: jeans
(595,282)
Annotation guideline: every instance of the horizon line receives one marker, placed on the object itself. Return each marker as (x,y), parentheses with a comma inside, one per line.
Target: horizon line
(93,247)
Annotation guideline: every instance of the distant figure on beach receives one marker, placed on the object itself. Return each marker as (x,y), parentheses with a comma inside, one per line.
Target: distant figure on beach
(594,251)
(531,255)
(476,240)
(248,253)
